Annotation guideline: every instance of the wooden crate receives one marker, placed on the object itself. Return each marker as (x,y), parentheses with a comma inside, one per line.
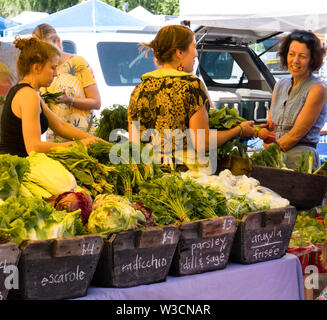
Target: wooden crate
(263,235)
(9,257)
(236,165)
(58,268)
(204,245)
(304,191)
(135,257)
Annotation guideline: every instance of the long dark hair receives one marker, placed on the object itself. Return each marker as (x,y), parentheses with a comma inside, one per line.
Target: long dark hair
(313,44)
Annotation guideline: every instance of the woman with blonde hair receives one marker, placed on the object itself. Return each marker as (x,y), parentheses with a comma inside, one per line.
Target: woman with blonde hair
(25,116)
(75,78)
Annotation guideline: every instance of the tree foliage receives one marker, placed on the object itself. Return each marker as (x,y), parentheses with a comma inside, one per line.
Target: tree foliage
(11,8)
(167,7)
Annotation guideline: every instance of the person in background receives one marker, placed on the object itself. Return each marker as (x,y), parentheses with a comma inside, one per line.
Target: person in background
(299,101)
(25,115)
(76,80)
(171,97)
(323,293)
(8,74)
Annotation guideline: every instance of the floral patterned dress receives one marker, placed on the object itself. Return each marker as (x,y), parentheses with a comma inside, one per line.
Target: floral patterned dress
(166,99)
(73,76)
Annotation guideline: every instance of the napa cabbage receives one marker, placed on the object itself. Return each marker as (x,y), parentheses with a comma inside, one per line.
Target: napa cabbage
(49,174)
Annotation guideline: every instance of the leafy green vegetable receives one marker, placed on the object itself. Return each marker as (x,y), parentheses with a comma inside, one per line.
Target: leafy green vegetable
(12,170)
(110,119)
(237,206)
(308,229)
(132,171)
(34,190)
(271,156)
(224,119)
(49,174)
(100,151)
(305,162)
(89,173)
(113,214)
(173,199)
(49,97)
(34,219)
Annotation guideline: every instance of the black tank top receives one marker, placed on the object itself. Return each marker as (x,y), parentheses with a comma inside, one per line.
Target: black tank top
(11,132)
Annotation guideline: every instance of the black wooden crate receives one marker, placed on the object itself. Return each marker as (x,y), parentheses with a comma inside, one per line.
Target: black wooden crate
(263,235)
(136,257)
(204,245)
(304,191)
(236,165)
(56,269)
(9,257)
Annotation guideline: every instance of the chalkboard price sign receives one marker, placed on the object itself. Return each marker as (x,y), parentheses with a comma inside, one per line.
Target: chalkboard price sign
(135,257)
(264,235)
(9,256)
(58,268)
(204,245)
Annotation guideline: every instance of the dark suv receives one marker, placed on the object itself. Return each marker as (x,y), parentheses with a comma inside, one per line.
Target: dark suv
(240,69)
(233,72)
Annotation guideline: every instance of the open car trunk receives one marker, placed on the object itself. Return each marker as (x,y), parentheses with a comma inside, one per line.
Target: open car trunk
(233,73)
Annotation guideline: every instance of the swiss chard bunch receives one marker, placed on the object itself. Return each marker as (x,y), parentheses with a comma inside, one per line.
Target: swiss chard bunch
(224,119)
(88,172)
(132,165)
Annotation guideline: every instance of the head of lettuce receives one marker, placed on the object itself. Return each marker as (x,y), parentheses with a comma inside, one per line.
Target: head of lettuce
(26,218)
(112,214)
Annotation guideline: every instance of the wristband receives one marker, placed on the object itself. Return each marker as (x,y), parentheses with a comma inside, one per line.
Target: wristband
(72,102)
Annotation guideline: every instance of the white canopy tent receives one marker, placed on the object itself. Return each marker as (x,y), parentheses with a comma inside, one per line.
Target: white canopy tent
(141,13)
(277,15)
(29,16)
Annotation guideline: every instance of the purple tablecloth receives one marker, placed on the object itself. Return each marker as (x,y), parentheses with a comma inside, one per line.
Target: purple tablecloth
(279,279)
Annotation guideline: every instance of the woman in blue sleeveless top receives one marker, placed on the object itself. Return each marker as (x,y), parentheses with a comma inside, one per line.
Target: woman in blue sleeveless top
(299,101)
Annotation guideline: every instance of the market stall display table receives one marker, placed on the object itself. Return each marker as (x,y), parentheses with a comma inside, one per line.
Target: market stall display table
(279,279)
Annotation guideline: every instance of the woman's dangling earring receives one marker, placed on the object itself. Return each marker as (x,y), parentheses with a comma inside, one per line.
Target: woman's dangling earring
(180,68)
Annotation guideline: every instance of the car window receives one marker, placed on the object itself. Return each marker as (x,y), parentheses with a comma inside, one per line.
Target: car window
(221,67)
(270,57)
(69,46)
(122,63)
